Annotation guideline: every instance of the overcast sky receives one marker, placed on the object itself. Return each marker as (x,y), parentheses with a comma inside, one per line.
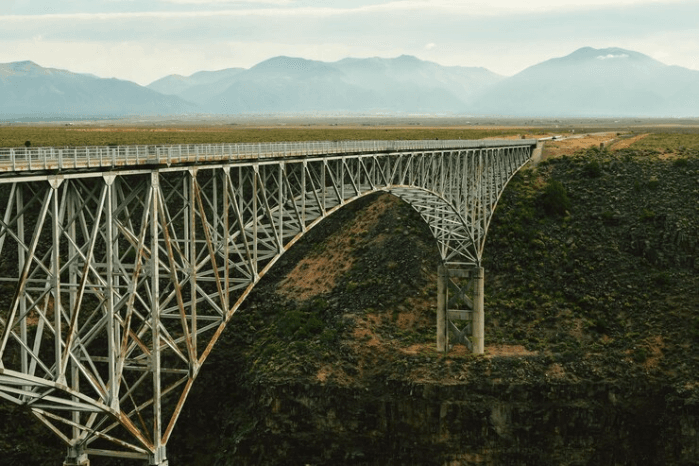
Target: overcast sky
(143,40)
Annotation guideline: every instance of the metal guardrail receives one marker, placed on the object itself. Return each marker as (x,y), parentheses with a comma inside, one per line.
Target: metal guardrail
(56,158)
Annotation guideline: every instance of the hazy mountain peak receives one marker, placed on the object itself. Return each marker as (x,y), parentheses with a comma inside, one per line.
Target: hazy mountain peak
(176,84)
(25,67)
(30,90)
(408,59)
(379,60)
(608,54)
(596,82)
(28,68)
(210,76)
(284,63)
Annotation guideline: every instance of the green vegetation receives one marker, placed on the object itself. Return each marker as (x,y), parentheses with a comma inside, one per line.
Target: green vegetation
(618,271)
(304,323)
(16,136)
(668,142)
(592,169)
(554,199)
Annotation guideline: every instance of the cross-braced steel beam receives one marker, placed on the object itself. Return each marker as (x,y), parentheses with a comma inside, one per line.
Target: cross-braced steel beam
(126,264)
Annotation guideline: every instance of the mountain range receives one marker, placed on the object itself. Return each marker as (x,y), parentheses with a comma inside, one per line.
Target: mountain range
(28,90)
(295,85)
(610,82)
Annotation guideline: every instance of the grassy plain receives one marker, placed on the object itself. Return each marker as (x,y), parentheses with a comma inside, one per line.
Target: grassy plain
(656,135)
(668,142)
(59,136)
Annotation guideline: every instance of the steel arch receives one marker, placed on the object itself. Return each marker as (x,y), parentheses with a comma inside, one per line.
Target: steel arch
(128,274)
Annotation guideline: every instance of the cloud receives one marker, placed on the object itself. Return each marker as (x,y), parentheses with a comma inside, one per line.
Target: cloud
(134,61)
(145,61)
(285,8)
(226,2)
(612,56)
(213,34)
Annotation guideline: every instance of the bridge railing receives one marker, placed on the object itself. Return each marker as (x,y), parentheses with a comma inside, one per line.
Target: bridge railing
(58,158)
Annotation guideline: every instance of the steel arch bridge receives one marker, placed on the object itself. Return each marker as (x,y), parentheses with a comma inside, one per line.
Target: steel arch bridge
(120,266)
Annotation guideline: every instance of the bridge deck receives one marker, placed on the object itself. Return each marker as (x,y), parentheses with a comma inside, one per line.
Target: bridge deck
(23,159)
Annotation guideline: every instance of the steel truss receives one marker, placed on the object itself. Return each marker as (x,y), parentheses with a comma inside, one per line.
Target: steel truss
(126,278)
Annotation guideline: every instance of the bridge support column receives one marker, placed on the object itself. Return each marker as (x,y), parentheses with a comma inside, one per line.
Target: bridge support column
(460,312)
(442,279)
(478,324)
(158,459)
(76,457)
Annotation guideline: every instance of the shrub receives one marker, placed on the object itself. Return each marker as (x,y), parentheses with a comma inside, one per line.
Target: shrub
(647,215)
(289,323)
(661,279)
(592,169)
(681,163)
(299,325)
(328,336)
(653,182)
(608,218)
(554,199)
(641,354)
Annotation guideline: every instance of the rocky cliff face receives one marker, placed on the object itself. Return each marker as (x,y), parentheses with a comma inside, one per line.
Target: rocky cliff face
(505,411)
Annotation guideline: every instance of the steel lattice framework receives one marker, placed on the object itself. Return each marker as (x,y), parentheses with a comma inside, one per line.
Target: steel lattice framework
(121,266)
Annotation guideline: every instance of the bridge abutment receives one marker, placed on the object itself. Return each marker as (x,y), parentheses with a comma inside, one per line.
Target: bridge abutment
(460,312)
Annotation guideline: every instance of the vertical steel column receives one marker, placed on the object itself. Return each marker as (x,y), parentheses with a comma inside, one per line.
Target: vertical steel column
(110,272)
(20,263)
(478,325)
(324,168)
(303,195)
(191,247)
(73,455)
(157,458)
(481,198)
(226,248)
(341,177)
(76,456)
(442,308)
(214,207)
(255,188)
(56,279)
(469,309)
(280,206)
